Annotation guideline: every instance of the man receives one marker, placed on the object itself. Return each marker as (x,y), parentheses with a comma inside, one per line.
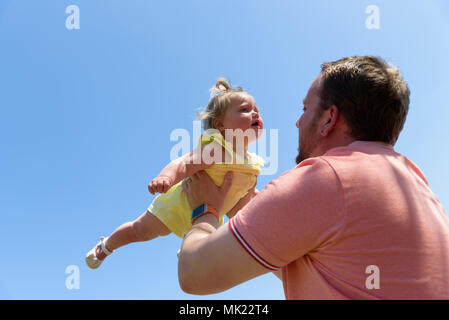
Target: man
(353,220)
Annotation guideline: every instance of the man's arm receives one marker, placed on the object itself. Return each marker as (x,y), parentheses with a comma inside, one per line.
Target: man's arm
(243,202)
(212,260)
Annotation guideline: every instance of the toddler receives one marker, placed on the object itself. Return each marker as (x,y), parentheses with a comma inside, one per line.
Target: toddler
(232,121)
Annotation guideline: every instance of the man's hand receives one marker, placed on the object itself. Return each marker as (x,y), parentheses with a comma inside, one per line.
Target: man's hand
(211,258)
(160,184)
(200,189)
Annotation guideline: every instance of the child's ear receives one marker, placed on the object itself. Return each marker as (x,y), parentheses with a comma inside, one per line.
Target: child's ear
(218,124)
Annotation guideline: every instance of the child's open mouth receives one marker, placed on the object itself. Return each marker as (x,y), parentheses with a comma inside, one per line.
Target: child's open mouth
(257,124)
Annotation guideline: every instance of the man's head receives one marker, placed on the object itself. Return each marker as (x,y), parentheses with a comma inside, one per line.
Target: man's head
(357,98)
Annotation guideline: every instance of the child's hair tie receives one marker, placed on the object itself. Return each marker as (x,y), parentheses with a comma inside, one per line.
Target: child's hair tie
(217,91)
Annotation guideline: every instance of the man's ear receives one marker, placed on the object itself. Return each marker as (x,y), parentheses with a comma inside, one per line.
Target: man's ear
(331,116)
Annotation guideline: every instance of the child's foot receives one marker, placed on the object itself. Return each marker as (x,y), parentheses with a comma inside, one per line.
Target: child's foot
(97,254)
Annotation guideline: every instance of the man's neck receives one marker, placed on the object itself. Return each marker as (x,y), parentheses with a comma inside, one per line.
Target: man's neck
(332,143)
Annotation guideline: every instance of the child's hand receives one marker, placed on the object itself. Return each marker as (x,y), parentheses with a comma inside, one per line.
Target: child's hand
(160,184)
(253,191)
(243,201)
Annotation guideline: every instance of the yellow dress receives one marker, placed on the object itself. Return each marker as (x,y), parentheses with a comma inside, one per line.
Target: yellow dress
(173,208)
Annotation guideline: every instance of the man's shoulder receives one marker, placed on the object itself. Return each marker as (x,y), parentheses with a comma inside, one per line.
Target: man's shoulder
(311,172)
(363,153)
(356,159)
(362,147)
(370,159)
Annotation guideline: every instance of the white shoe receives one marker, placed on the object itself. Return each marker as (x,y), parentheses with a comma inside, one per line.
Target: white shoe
(91,259)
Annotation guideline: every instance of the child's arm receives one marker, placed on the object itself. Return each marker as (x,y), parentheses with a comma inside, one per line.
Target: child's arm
(243,201)
(181,168)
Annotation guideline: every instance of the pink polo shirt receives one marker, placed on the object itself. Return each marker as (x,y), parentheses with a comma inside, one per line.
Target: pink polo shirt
(359,222)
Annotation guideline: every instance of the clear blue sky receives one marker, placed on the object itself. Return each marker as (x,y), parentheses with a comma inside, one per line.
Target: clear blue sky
(86,117)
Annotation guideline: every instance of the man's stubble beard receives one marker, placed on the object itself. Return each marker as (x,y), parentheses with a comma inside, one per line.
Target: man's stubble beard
(303,149)
(300,157)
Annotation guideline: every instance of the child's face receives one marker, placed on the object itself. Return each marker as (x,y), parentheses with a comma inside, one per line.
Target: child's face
(242,114)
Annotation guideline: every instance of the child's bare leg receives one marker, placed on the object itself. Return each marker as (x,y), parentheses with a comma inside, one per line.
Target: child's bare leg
(144,228)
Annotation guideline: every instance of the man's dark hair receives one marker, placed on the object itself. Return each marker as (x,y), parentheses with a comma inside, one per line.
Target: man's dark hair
(370,94)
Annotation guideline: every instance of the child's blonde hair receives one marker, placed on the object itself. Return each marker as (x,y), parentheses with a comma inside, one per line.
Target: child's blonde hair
(220,99)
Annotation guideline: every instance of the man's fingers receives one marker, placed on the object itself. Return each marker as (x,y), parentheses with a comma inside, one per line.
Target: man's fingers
(227,182)
(194,176)
(200,175)
(184,184)
(203,178)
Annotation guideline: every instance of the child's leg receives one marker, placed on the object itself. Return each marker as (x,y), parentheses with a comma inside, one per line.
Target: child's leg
(144,228)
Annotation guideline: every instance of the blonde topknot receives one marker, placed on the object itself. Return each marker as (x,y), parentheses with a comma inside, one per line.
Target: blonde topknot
(219,100)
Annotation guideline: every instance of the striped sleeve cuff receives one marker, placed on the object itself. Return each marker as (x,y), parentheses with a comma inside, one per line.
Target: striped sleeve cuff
(248,248)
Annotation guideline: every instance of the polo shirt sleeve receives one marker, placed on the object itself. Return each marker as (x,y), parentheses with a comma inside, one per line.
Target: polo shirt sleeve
(299,212)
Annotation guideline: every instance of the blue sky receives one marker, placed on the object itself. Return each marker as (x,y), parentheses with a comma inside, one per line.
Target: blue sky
(86,117)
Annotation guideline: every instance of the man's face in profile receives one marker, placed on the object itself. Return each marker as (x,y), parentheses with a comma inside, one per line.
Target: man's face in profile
(307,124)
